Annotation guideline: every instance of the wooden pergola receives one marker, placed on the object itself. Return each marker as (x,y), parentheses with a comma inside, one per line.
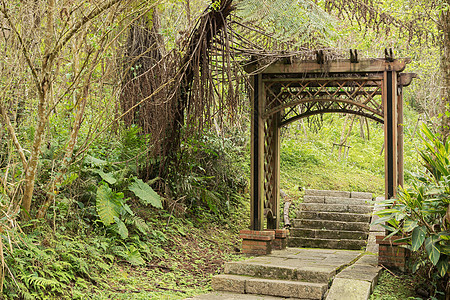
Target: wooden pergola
(286,91)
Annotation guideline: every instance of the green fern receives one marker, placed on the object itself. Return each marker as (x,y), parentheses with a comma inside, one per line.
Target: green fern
(293,21)
(140,224)
(108,204)
(121,228)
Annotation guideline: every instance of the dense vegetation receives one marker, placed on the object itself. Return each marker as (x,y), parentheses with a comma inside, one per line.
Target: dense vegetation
(124,138)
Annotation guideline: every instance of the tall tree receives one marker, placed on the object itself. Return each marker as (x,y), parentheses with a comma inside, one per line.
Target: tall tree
(46,52)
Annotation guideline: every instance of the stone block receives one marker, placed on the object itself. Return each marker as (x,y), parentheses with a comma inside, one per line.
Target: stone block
(360,209)
(333,216)
(313,199)
(229,283)
(361,195)
(348,201)
(327,193)
(261,270)
(326,243)
(349,289)
(284,288)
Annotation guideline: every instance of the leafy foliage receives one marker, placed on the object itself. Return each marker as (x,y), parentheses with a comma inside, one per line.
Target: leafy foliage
(211,176)
(420,213)
(145,193)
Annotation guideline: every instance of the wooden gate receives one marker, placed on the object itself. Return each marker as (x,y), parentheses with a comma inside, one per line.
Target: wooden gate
(286,91)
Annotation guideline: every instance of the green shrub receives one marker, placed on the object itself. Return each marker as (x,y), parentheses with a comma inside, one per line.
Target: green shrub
(422,213)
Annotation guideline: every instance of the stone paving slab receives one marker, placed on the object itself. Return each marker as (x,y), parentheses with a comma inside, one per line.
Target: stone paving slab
(349,289)
(313,265)
(355,275)
(234,296)
(357,281)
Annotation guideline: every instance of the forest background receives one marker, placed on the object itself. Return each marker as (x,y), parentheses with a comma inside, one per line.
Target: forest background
(124,147)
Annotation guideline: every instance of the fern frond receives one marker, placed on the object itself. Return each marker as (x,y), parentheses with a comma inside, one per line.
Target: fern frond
(288,21)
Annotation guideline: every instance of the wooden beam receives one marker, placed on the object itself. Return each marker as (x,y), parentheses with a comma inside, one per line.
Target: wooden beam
(334,66)
(257,156)
(406,78)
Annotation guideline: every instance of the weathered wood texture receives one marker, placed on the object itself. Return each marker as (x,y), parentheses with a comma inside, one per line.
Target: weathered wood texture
(286,92)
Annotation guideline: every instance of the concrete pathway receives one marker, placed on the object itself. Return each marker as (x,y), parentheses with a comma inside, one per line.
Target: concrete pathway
(355,272)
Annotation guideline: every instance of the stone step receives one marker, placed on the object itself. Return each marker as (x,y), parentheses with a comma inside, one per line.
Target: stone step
(326,243)
(333,216)
(359,209)
(280,288)
(327,193)
(336,200)
(328,234)
(359,195)
(323,223)
(305,272)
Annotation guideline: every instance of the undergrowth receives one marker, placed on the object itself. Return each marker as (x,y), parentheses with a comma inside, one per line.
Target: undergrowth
(109,235)
(394,287)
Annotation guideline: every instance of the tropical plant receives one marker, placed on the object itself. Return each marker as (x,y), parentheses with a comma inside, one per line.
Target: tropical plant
(422,214)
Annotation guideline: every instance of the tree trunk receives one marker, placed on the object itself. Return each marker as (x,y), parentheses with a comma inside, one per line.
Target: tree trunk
(31,171)
(445,69)
(44,91)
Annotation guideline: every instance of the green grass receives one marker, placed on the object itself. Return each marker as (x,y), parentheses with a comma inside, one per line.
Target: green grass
(393,287)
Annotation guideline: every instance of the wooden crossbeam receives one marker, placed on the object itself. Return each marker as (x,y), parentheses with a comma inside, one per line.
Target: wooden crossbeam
(335,66)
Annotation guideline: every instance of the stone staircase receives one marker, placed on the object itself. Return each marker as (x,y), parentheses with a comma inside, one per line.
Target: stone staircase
(332,220)
(291,273)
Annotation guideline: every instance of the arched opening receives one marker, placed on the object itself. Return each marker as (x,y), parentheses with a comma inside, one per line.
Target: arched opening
(285,92)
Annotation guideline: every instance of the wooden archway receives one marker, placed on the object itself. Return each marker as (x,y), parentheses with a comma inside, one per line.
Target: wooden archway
(286,91)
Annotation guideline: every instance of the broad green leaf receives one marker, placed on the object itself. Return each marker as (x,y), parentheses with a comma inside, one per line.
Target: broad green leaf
(121,228)
(442,265)
(417,265)
(144,192)
(409,225)
(445,235)
(94,161)
(403,240)
(389,211)
(445,249)
(392,233)
(381,220)
(418,236)
(433,249)
(108,177)
(107,207)
(134,257)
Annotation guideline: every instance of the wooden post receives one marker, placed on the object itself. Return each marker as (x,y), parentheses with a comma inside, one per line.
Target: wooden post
(400,136)
(390,102)
(257,155)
